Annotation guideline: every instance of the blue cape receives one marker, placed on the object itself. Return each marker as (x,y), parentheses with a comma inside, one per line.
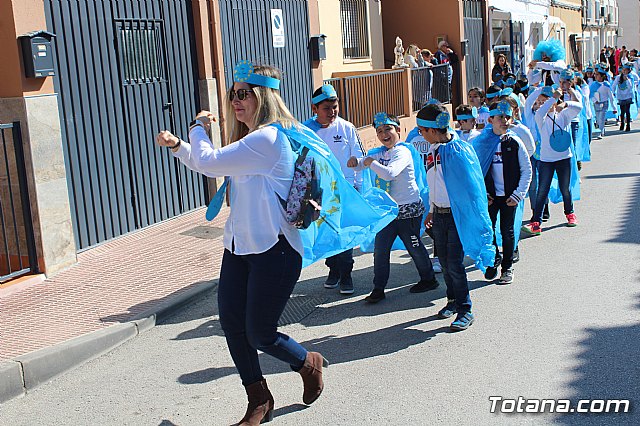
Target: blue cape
(468,197)
(371,180)
(555,196)
(582,147)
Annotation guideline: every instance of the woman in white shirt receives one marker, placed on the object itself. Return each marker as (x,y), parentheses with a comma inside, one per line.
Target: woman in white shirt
(263,252)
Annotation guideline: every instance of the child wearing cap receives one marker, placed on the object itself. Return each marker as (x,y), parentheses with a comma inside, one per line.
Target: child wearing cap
(395,164)
(478,100)
(458,210)
(624,88)
(342,138)
(602,96)
(555,155)
(507,179)
(466,116)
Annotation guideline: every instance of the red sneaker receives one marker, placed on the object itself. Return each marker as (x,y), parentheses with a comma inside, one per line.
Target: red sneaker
(572,220)
(532,229)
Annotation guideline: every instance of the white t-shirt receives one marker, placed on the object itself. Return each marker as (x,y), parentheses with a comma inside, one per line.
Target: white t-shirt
(497,171)
(438,195)
(467,135)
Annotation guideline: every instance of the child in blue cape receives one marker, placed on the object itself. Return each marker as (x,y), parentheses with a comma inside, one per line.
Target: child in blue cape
(478,99)
(602,97)
(395,164)
(342,138)
(624,88)
(458,212)
(466,116)
(505,163)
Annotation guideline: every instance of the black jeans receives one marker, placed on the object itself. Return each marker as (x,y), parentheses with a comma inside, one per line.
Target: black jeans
(341,263)
(507,216)
(409,232)
(252,294)
(545,176)
(625,111)
(451,255)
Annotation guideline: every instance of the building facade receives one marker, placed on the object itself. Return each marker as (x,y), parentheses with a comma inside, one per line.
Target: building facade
(629,23)
(599,28)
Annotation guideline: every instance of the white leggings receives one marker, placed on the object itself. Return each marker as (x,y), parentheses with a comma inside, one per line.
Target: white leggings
(601,115)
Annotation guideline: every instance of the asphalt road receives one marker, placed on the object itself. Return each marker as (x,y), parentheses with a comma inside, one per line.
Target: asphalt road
(567,328)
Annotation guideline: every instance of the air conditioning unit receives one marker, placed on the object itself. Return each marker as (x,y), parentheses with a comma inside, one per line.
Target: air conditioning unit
(619,32)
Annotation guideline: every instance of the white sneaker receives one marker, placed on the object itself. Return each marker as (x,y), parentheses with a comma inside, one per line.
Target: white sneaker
(437,268)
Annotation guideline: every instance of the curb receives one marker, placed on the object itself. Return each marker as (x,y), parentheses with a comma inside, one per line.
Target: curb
(25,372)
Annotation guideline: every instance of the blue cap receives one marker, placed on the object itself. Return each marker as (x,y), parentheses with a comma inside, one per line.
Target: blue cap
(503,108)
(441,121)
(627,65)
(432,101)
(474,114)
(509,82)
(548,90)
(500,93)
(243,73)
(589,69)
(328,92)
(566,74)
(381,119)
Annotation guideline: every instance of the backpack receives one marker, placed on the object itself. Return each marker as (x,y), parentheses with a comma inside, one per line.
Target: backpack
(303,204)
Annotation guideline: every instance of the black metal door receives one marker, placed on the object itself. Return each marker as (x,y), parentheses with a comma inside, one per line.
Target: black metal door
(247,35)
(474,33)
(125,69)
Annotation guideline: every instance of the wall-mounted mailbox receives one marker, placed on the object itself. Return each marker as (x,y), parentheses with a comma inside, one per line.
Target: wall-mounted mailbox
(36,54)
(317,47)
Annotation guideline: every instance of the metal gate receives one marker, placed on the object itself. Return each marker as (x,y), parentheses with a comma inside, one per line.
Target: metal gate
(247,34)
(474,33)
(124,70)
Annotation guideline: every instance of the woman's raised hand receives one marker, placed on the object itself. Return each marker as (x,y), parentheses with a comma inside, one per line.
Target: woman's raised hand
(166,138)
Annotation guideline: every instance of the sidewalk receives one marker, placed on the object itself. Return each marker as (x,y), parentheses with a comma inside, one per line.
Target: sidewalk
(136,277)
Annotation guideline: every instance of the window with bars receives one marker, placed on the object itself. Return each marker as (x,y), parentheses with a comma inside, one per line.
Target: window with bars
(355,29)
(140,49)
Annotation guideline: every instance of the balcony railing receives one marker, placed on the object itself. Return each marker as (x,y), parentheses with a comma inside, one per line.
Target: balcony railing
(361,96)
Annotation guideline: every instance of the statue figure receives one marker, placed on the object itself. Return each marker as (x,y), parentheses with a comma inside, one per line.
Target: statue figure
(399,52)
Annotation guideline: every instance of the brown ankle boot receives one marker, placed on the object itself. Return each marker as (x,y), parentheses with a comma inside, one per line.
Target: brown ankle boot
(311,373)
(260,407)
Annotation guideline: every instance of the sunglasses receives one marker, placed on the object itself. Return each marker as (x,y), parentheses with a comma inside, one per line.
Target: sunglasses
(240,93)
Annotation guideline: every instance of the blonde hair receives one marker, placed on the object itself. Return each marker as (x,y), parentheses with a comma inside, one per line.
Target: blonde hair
(412,50)
(270,108)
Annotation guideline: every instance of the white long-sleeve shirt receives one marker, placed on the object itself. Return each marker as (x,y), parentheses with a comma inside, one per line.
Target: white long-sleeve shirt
(525,136)
(553,67)
(396,166)
(603,94)
(342,138)
(529,114)
(546,126)
(623,93)
(586,100)
(260,167)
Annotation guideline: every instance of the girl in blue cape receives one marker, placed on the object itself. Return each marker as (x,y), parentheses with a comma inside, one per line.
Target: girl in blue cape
(395,164)
(264,253)
(505,164)
(624,88)
(458,211)
(602,97)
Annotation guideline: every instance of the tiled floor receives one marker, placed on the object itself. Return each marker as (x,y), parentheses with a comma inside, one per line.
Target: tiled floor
(112,283)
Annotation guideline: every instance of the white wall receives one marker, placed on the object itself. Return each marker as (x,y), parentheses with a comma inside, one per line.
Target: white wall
(629,21)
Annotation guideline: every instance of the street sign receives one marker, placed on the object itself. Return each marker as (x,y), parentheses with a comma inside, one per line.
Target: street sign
(277,27)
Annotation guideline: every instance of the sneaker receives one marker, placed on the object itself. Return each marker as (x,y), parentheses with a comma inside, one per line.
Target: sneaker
(449,310)
(346,285)
(463,321)
(332,279)
(437,267)
(491,273)
(532,229)
(545,213)
(572,220)
(628,129)
(424,285)
(506,277)
(579,165)
(516,255)
(375,296)
(622,126)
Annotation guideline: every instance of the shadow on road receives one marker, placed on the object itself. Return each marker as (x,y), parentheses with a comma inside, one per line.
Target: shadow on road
(608,369)
(627,218)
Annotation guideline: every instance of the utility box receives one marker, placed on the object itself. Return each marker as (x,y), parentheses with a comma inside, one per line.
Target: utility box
(318,48)
(37,54)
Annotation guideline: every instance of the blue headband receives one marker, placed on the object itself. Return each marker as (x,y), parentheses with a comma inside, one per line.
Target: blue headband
(328,92)
(441,121)
(474,114)
(548,91)
(381,119)
(566,75)
(523,88)
(627,66)
(509,81)
(503,108)
(503,92)
(588,69)
(432,101)
(243,73)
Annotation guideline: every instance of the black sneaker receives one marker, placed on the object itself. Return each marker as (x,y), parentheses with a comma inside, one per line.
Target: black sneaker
(375,296)
(506,277)
(449,310)
(491,273)
(332,279)
(545,214)
(423,286)
(346,285)
(516,255)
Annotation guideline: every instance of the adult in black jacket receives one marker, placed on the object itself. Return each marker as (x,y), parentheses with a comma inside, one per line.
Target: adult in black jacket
(500,69)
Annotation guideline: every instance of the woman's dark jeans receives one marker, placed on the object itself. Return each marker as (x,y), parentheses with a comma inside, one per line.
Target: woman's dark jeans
(545,176)
(252,294)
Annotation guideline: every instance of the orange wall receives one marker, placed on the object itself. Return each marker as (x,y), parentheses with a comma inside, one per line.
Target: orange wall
(420,22)
(18,17)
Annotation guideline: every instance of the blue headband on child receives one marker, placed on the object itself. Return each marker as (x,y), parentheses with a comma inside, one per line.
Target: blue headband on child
(588,69)
(328,92)
(503,108)
(566,74)
(474,114)
(432,101)
(509,81)
(483,109)
(244,73)
(441,121)
(548,90)
(503,92)
(627,65)
(382,119)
